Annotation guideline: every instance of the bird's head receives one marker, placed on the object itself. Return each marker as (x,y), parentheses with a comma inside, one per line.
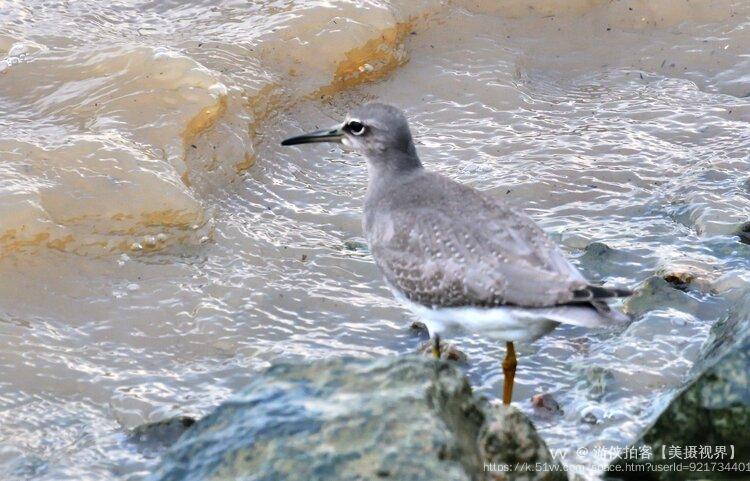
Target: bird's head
(378,131)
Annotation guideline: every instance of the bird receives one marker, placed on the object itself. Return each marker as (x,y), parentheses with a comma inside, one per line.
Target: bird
(459,259)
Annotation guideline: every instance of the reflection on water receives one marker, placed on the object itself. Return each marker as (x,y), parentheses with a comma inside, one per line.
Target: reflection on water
(158,248)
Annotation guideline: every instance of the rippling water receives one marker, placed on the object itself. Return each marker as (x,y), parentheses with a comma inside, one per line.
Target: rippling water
(158,248)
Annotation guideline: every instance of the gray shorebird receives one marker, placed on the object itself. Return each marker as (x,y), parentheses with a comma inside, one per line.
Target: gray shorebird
(459,259)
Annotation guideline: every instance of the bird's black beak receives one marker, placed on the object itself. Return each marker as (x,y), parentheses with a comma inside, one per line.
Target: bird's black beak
(334,134)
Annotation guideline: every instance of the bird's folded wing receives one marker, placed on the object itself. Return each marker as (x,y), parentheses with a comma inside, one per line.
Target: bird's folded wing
(482,254)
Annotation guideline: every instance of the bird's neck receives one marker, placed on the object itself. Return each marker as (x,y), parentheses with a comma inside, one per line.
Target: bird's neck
(389,170)
(392,162)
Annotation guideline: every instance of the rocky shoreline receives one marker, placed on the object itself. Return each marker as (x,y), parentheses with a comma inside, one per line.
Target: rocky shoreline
(706,423)
(412,417)
(393,418)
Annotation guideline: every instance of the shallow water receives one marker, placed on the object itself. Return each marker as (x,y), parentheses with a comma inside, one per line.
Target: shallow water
(158,248)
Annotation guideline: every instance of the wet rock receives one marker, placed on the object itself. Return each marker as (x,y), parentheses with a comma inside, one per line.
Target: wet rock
(743,232)
(679,280)
(713,410)
(733,285)
(600,260)
(690,272)
(598,380)
(354,245)
(598,249)
(590,416)
(657,293)
(546,405)
(508,436)
(448,351)
(686,278)
(419,326)
(728,334)
(393,418)
(161,434)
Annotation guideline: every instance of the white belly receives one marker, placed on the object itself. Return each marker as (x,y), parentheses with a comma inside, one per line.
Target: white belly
(501,323)
(505,323)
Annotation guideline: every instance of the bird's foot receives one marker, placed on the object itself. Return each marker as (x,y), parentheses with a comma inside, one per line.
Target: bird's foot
(509,372)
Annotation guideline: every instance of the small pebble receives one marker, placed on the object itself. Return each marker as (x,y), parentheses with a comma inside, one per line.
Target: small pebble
(545,403)
(418,326)
(592,415)
(679,280)
(589,418)
(353,245)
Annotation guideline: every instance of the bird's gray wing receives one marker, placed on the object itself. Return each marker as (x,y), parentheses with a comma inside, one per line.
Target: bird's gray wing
(464,249)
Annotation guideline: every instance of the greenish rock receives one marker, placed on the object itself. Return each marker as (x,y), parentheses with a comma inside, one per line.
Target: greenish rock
(600,260)
(656,293)
(355,245)
(729,333)
(404,418)
(598,380)
(712,410)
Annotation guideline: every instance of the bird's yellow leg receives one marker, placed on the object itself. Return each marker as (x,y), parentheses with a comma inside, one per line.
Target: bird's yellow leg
(509,371)
(436,346)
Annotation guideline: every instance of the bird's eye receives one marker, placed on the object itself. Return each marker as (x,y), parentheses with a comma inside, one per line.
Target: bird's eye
(356,128)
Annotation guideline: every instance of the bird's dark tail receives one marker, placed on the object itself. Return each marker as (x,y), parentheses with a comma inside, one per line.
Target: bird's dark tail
(597,297)
(598,293)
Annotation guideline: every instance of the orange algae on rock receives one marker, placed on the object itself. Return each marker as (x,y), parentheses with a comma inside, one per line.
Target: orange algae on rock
(374,60)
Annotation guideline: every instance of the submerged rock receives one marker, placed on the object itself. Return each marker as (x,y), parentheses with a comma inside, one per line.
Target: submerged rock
(355,245)
(658,293)
(707,421)
(727,335)
(743,232)
(685,279)
(161,434)
(598,380)
(419,326)
(396,418)
(600,260)
(546,405)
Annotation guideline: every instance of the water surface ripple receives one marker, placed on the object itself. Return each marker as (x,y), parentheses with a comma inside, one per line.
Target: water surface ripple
(158,247)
